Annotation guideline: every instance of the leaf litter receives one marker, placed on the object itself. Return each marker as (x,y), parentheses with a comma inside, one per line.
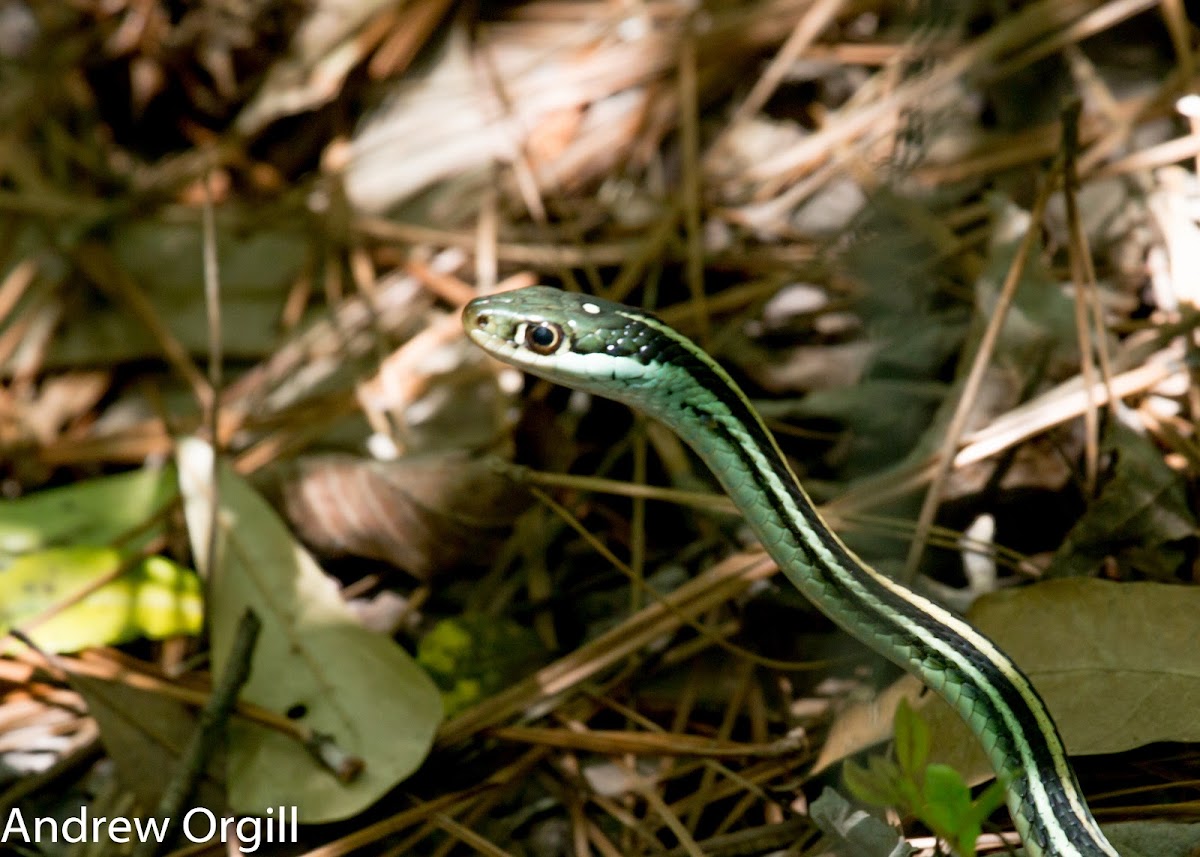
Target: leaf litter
(372,167)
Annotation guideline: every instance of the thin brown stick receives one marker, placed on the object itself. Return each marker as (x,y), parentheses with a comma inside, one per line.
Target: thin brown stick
(811,24)
(973,384)
(210,729)
(1081,271)
(689,139)
(715,586)
(101,268)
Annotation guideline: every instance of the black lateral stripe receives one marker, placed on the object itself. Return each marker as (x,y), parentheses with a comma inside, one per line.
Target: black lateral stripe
(904,614)
(1011,697)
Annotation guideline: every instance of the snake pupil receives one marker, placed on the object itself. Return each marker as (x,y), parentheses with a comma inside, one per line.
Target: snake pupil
(544,338)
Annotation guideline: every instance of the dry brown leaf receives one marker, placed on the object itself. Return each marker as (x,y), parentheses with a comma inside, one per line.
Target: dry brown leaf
(421,513)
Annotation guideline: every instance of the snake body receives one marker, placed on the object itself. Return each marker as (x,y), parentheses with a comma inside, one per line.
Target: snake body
(625,354)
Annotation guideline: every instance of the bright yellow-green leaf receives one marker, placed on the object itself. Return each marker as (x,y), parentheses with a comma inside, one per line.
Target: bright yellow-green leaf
(153,598)
(472,657)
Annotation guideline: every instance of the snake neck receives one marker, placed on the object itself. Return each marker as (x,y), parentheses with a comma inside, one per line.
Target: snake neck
(991,694)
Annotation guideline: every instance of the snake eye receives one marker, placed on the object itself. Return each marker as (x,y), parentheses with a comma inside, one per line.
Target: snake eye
(543,338)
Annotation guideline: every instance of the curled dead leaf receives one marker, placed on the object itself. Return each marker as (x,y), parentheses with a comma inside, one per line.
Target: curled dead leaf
(422,513)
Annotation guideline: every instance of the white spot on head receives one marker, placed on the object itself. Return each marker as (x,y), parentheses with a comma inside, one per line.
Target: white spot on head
(591,309)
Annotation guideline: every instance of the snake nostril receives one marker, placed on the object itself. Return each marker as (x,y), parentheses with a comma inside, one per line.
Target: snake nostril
(481,320)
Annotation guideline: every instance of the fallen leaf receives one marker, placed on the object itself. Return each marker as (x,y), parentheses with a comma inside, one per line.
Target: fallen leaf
(1141,516)
(153,598)
(1154,839)
(92,512)
(313,661)
(145,733)
(1118,664)
(421,513)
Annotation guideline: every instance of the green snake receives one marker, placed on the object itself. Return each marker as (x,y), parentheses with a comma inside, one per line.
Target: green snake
(628,355)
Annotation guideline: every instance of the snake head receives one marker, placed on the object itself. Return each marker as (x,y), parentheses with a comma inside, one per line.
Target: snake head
(572,339)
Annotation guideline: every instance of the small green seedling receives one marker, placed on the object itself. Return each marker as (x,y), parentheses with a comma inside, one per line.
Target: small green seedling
(935,794)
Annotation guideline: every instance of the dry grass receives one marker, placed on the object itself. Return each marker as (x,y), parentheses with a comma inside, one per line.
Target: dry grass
(811,188)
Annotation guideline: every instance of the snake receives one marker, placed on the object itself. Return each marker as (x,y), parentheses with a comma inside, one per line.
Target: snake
(628,355)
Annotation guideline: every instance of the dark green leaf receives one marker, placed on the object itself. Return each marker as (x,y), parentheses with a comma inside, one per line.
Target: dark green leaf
(856,832)
(1139,518)
(869,787)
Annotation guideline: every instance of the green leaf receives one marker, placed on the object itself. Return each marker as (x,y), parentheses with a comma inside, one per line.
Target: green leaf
(990,800)
(472,657)
(152,598)
(882,416)
(146,733)
(1040,324)
(947,802)
(93,512)
(163,255)
(912,740)
(869,787)
(968,835)
(313,660)
(1105,696)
